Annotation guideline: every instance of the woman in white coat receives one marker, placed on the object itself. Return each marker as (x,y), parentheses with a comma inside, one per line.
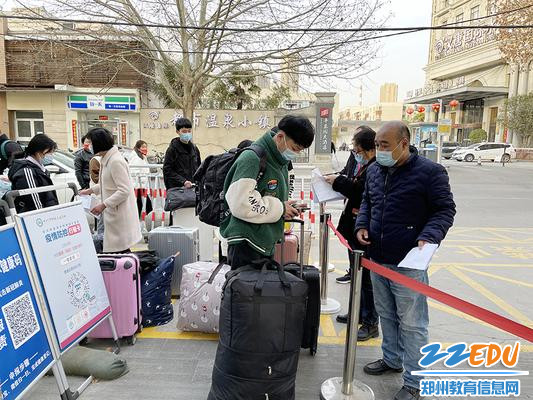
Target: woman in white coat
(139,178)
(121,223)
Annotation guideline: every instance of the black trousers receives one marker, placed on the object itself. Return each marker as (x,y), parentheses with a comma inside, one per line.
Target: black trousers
(367,312)
(241,254)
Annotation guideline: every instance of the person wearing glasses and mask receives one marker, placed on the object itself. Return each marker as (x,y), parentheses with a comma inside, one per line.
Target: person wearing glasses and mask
(30,172)
(352,186)
(256,209)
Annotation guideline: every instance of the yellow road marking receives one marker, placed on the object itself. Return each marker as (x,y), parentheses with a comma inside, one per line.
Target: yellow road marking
(498,235)
(154,333)
(475,264)
(472,250)
(433,269)
(501,278)
(326,324)
(492,297)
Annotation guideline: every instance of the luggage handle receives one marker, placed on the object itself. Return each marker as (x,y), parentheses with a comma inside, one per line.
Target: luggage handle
(281,273)
(302,244)
(215,273)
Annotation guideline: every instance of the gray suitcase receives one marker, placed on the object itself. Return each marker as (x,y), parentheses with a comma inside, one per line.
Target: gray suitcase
(166,241)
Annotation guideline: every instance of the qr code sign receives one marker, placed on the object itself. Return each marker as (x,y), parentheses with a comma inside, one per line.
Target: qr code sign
(20,319)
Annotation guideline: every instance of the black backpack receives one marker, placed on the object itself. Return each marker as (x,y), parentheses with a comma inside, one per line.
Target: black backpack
(8,149)
(210,178)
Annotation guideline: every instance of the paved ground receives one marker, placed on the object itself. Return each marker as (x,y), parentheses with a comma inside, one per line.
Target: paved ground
(487,259)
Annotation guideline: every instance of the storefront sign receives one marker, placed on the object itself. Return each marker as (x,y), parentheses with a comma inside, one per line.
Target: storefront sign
(102,102)
(75,133)
(65,259)
(211,120)
(463,40)
(445,126)
(323,131)
(123,129)
(433,86)
(25,353)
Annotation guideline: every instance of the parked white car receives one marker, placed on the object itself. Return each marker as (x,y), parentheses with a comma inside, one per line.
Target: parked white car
(62,172)
(501,152)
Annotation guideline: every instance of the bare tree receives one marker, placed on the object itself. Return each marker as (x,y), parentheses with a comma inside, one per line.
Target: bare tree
(202,41)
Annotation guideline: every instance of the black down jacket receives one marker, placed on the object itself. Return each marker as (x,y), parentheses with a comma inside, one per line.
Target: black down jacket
(404,205)
(181,162)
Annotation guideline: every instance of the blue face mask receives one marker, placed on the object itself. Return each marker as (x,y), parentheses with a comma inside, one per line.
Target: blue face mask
(186,137)
(359,158)
(288,154)
(385,158)
(47,159)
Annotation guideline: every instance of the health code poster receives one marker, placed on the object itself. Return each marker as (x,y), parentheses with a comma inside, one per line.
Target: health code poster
(70,273)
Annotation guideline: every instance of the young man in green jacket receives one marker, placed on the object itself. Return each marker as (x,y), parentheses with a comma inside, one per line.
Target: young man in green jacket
(258,208)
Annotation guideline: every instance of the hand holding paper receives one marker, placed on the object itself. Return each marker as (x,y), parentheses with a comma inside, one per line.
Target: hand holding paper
(419,258)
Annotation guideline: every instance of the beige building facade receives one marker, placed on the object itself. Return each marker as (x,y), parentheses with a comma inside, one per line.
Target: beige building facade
(467,66)
(388,93)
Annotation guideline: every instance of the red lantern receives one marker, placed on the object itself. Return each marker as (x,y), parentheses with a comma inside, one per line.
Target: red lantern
(409,111)
(453,104)
(435,107)
(421,109)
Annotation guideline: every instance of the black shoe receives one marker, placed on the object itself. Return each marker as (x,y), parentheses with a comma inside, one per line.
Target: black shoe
(342,318)
(379,367)
(344,279)
(367,332)
(407,393)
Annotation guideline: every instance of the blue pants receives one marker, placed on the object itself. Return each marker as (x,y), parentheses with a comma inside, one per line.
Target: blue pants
(404,321)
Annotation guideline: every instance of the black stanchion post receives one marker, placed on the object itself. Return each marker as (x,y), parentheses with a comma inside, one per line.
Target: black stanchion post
(347,387)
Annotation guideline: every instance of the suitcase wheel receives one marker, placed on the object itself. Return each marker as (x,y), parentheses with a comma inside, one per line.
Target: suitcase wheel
(130,340)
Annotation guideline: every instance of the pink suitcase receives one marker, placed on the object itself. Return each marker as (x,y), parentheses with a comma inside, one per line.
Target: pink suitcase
(122,281)
(290,250)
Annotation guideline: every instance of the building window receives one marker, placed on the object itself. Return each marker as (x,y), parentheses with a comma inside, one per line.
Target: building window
(474,12)
(459,18)
(28,124)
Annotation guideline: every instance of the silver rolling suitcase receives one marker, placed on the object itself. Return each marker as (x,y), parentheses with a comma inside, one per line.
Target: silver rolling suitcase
(166,241)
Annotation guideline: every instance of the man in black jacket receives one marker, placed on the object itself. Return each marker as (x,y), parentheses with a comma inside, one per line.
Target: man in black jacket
(407,204)
(182,158)
(81,163)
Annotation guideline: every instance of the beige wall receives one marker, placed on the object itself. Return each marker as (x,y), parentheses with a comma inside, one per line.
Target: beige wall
(53,107)
(157,128)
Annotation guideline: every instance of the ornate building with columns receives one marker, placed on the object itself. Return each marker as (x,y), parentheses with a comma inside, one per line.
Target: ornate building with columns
(466,65)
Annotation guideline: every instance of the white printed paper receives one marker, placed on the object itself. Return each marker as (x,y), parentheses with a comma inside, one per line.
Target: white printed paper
(419,258)
(322,190)
(88,203)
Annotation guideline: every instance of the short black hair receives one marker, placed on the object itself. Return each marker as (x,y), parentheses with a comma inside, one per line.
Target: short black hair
(140,144)
(40,143)
(299,129)
(183,123)
(405,132)
(244,143)
(365,138)
(83,138)
(101,139)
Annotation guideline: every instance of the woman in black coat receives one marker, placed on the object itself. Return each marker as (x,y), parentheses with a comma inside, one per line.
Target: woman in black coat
(30,173)
(352,186)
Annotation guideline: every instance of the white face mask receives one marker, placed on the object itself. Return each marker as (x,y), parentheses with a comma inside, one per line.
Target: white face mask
(384,157)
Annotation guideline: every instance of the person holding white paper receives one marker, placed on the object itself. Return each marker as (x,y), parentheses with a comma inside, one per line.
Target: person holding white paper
(407,204)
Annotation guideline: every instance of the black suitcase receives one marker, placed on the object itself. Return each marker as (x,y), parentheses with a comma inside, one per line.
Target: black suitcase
(261,322)
(310,275)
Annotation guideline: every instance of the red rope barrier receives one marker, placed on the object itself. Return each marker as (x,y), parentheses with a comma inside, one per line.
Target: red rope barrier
(480,313)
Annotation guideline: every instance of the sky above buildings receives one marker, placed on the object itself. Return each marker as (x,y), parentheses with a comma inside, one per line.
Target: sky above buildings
(401,58)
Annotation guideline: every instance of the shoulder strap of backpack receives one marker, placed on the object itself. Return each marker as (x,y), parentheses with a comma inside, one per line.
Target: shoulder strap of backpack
(261,153)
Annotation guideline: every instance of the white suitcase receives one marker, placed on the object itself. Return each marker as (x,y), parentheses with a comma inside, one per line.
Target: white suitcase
(201,292)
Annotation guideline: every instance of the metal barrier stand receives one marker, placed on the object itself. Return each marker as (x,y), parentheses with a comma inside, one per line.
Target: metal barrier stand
(347,387)
(327,305)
